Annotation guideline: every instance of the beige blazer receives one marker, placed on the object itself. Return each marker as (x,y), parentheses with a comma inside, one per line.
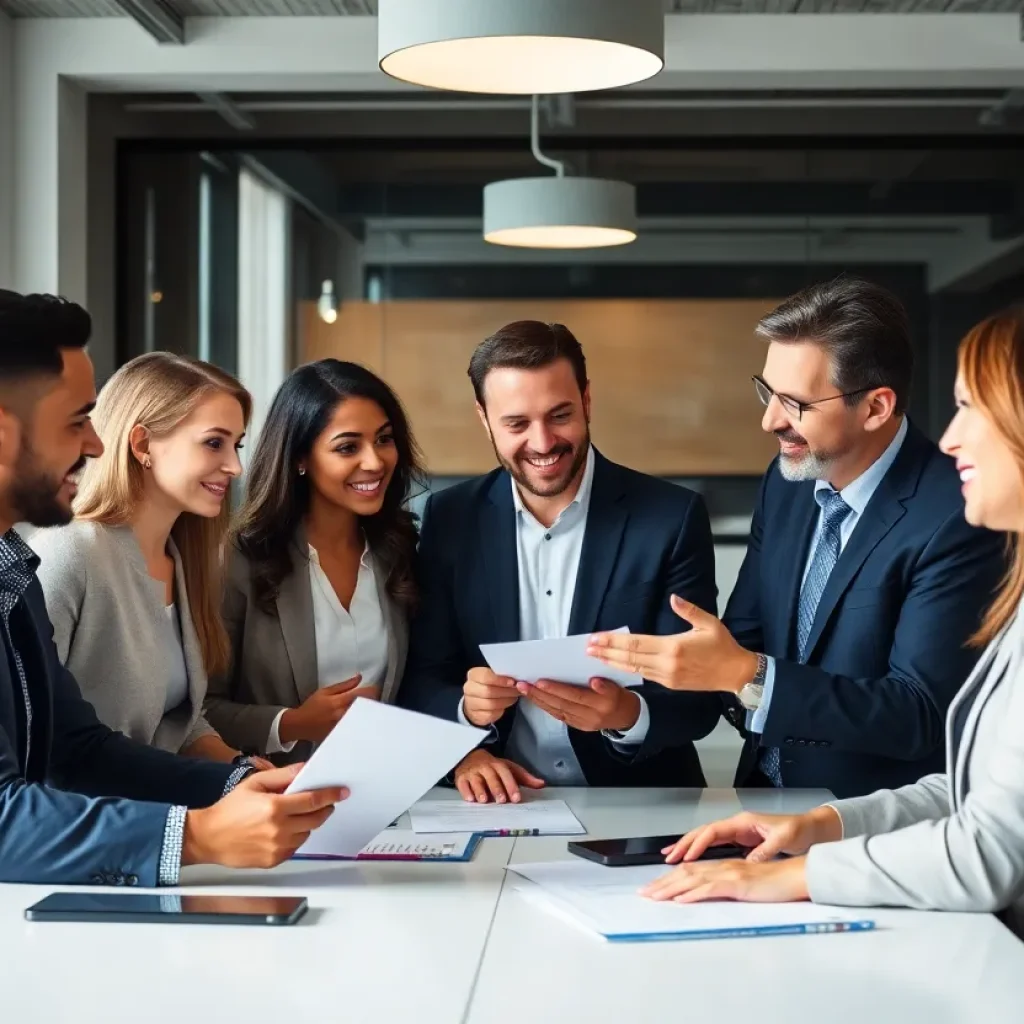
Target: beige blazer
(954,840)
(274,656)
(105,609)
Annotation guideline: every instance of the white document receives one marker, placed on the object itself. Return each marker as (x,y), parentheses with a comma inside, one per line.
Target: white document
(537,817)
(605,900)
(388,757)
(563,660)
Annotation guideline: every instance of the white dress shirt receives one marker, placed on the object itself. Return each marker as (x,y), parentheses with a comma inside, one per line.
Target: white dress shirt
(348,642)
(856,495)
(548,559)
(177,681)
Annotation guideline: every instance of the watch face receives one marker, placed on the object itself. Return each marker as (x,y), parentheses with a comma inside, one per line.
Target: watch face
(750,696)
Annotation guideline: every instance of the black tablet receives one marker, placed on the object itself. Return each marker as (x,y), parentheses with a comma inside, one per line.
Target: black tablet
(616,853)
(143,908)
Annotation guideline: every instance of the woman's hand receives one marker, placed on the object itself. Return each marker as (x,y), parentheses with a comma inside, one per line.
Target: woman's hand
(766,835)
(778,881)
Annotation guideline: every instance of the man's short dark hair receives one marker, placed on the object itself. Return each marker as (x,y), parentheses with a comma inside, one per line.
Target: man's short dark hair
(34,329)
(526,345)
(863,327)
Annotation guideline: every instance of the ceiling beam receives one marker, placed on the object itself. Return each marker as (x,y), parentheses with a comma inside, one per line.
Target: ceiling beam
(228,110)
(158,18)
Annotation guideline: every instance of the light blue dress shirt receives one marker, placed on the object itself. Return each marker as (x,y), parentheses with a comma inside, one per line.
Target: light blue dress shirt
(857,495)
(548,560)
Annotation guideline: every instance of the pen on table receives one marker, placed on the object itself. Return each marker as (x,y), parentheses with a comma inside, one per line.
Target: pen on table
(518,832)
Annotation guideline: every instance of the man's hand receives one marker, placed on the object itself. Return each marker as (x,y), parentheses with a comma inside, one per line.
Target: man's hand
(705,659)
(486,697)
(481,777)
(256,825)
(602,705)
(780,881)
(319,713)
(766,835)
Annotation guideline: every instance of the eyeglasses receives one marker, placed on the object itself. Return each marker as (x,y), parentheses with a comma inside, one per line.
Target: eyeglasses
(791,405)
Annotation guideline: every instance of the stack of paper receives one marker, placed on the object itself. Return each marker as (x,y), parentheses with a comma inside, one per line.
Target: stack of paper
(605,901)
(531,818)
(388,758)
(563,660)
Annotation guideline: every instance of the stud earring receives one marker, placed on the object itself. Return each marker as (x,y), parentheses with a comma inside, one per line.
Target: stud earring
(302,470)
(147,462)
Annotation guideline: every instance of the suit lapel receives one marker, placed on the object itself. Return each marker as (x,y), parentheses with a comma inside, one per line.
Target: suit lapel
(496,546)
(195,668)
(791,560)
(295,614)
(991,670)
(885,509)
(606,522)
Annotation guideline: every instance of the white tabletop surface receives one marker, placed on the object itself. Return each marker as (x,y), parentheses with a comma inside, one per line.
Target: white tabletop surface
(455,944)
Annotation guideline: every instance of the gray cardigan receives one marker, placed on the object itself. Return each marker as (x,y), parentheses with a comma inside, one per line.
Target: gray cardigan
(954,840)
(274,656)
(105,608)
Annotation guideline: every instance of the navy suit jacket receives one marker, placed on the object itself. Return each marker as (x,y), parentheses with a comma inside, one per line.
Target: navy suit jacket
(90,805)
(887,648)
(645,540)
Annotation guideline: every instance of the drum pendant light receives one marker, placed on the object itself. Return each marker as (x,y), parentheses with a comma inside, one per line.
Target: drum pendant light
(521,47)
(558,212)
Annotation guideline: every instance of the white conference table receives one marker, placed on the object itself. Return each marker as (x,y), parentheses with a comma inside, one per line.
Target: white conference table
(456,944)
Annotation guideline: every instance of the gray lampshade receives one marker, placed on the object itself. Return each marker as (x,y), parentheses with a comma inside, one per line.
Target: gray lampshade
(559,213)
(521,47)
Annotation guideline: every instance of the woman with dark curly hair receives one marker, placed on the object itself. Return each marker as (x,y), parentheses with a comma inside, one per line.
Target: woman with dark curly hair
(320,572)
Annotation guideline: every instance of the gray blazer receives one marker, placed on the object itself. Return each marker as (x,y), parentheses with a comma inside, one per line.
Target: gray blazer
(105,608)
(954,840)
(274,656)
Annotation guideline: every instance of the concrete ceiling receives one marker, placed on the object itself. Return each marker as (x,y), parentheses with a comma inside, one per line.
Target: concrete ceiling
(299,8)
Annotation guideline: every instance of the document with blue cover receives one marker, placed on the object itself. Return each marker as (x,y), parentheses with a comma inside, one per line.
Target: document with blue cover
(605,901)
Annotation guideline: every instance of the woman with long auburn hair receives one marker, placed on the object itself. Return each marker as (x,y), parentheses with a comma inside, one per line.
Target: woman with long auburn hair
(955,840)
(133,585)
(320,573)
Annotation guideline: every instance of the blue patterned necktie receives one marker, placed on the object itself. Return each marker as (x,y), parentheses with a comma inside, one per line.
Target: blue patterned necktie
(826,554)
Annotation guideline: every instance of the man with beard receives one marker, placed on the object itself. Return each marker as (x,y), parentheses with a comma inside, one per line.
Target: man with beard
(558,541)
(846,637)
(80,804)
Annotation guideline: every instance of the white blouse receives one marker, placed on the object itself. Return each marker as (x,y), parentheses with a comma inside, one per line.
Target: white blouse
(348,642)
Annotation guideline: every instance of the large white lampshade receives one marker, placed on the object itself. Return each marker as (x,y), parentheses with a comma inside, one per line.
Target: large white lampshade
(521,46)
(559,213)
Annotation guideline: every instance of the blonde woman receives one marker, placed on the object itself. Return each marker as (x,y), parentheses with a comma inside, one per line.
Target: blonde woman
(133,585)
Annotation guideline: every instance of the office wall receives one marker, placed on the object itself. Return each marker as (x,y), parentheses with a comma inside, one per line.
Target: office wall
(671,378)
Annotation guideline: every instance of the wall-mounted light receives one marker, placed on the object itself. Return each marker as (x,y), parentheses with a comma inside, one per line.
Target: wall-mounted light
(327,304)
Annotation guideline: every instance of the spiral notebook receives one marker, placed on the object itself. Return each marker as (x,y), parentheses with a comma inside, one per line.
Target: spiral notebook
(403,844)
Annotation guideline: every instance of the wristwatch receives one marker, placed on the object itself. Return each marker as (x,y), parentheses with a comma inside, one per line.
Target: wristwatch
(750,695)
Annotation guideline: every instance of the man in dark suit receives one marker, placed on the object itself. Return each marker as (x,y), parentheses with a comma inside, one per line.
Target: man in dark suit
(558,541)
(845,639)
(80,804)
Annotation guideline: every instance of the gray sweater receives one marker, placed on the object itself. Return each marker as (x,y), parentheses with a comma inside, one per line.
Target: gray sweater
(111,630)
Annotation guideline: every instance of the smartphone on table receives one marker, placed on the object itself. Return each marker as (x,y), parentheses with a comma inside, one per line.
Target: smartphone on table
(617,853)
(167,909)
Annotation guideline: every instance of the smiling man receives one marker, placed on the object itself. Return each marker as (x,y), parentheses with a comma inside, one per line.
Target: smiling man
(558,541)
(843,642)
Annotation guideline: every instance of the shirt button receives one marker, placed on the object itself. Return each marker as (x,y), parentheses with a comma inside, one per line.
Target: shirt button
(547,536)
(559,765)
(548,592)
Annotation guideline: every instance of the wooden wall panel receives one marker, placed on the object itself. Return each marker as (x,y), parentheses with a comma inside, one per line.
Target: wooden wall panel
(670,378)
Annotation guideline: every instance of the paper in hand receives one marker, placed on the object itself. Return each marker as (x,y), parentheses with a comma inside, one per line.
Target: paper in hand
(563,660)
(388,758)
